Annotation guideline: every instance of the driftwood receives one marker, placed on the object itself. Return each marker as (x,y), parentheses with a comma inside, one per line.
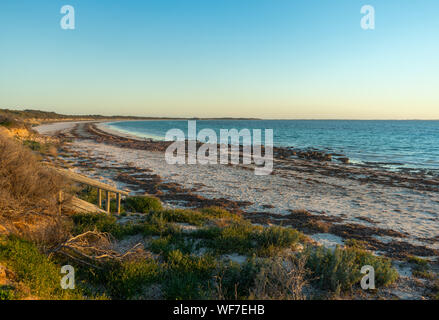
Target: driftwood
(93,248)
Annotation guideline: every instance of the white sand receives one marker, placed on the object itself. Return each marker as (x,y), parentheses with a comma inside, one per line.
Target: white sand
(53,128)
(328,240)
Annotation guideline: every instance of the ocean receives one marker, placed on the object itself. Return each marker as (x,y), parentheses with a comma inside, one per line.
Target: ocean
(387,144)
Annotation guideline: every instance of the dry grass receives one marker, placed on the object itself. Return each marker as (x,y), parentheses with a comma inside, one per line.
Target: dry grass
(29,192)
(283,278)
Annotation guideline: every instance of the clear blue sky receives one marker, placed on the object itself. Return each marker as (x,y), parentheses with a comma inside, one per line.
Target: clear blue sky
(256,58)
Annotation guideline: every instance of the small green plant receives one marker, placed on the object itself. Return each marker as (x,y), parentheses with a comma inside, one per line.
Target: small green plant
(354,243)
(216,213)
(188,276)
(142,204)
(236,238)
(244,238)
(122,280)
(167,244)
(95,221)
(130,278)
(339,270)
(234,281)
(278,237)
(183,216)
(421,268)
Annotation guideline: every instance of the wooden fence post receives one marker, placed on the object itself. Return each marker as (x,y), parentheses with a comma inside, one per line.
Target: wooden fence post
(108,202)
(60,199)
(99,198)
(118,202)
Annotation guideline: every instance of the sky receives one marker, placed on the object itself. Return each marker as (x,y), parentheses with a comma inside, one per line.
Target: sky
(274,59)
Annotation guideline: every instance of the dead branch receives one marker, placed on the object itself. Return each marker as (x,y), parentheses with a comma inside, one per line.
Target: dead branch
(92,248)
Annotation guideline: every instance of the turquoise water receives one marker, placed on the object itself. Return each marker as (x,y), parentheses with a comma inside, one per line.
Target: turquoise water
(391,144)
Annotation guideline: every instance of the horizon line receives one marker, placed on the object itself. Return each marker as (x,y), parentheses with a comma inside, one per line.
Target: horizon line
(145,117)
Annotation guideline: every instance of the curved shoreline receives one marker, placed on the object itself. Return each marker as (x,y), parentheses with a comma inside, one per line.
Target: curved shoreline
(103,126)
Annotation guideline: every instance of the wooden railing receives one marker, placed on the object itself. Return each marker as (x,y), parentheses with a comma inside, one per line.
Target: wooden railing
(79,178)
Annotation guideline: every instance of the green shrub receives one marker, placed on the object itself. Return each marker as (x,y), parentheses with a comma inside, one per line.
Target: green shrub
(234,281)
(152,225)
(339,270)
(165,245)
(183,216)
(244,238)
(194,217)
(278,237)
(94,221)
(142,204)
(219,213)
(123,280)
(354,243)
(236,238)
(131,278)
(188,276)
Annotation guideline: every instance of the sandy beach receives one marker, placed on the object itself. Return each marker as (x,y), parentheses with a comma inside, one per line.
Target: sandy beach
(394,213)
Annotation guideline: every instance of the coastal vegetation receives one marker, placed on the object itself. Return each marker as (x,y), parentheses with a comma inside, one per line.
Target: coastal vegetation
(181,264)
